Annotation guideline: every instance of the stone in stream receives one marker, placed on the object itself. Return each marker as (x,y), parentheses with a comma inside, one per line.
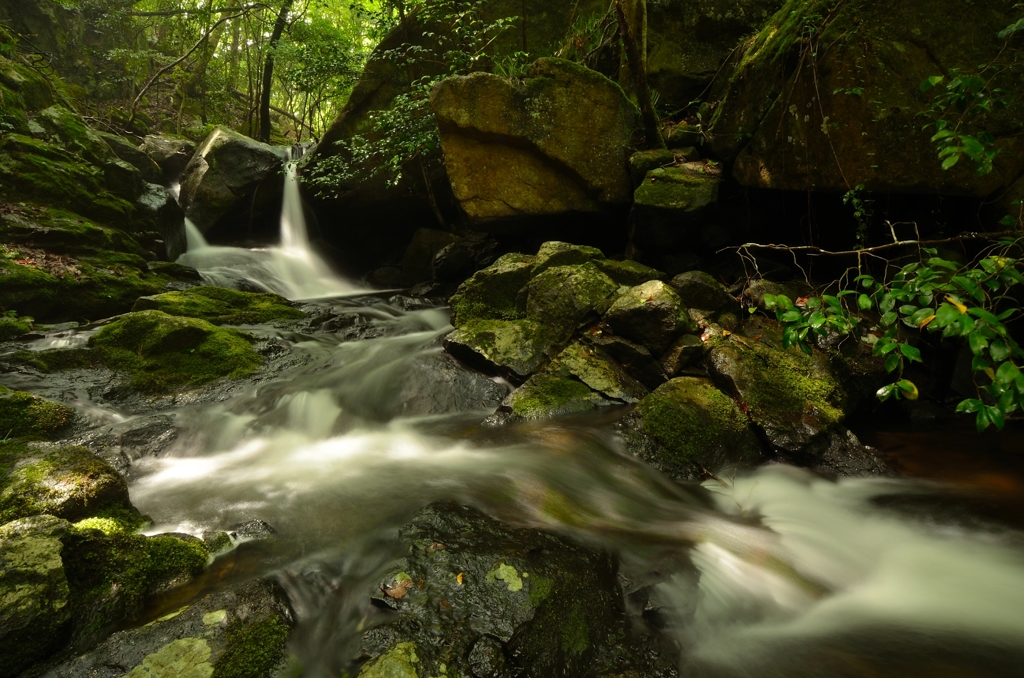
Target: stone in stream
(561,297)
(221,306)
(227,170)
(476,597)
(158,207)
(239,632)
(651,314)
(688,428)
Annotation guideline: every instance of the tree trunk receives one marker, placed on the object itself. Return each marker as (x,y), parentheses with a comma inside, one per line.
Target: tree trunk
(268,71)
(638,72)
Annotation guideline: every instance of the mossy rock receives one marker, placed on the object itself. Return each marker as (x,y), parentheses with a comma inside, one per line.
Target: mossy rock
(551,394)
(516,346)
(34,591)
(556,253)
(491,293)
(688,428)
(671,203)
(561,297)
(651,314)
(545,604)
(23,415)
(791,396)
(596,369)
(699,290)
(221,306)
(69,482)
(62,232)
(642,162)
(70,130)
(161,353)
(240,631)
(627,272)
(12,326)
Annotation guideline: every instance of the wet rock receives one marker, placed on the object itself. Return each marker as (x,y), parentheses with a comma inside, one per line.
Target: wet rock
(228,168)
(465,256)
(839,453)
(650,314)
(628,273)
(688,428)
(241,631)
(515,150)
(672,204)
(439,384)
(251,530)
(492,292)
(555,253)
(157,207)
(551,393)
(846,123)
(792,397)
(171,153)
(67,128)
(516,346)
(699,290)
(596,369)
(221,306)
(122,444)
(34,593)
(65,481)
(475,593)
(134,156)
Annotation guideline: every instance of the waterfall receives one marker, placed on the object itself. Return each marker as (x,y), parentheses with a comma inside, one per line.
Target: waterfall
(292,269)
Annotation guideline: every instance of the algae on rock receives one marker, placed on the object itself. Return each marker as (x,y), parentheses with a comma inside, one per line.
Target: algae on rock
(221,305)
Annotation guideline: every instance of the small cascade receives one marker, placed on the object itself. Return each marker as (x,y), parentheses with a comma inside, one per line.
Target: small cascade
(293,269)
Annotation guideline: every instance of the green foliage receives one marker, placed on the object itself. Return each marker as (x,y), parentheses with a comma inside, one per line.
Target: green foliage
(863,210)
(934,295)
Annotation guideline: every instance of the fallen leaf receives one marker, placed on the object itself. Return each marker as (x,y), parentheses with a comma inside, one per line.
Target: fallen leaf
(925,322)
(458,578)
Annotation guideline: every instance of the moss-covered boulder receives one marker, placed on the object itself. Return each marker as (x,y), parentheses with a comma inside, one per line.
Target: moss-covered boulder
(672,203)
(551,393)
(34,594)
(171,153)
(792,397)
(515,149)
(238,632)
(684,352)
(628,272)
(69,482)
(699,290)
(472,592)
(595,368)
(229,168)
(160,352)
(561,297)
(642,162)
(650,314)
(491,293)
(688,428)
(636,359)
(221,306)
(23,415)
(556,253)
(517,346)
(134,156)
(801,118)
(13,325)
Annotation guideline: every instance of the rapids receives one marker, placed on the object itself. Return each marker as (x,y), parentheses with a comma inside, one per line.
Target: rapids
(774,572)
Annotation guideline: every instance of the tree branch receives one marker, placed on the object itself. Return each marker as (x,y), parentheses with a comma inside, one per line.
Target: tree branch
(813,250)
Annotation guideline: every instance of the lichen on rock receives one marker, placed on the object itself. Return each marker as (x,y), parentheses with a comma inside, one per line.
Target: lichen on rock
(221,305)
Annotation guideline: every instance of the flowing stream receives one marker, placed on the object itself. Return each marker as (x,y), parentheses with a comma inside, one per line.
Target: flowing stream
(771,573)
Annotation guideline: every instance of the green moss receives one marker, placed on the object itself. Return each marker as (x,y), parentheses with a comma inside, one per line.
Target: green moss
(562,296)
(23,415)
(518,345)
(12,326)
(398,662)
(540,590)
(678,189)
(59,231)
(576,632)
(160,352)
(545,395)
(221,305)
(555,253)
(690,417)
(492,292)
(628,273)
(171,558)
(181,658)
(254,650)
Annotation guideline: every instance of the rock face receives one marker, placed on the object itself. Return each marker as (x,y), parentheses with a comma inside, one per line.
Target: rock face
(241,631)
(157,206)
(687,428)
(170,153)
(672,205)
(688,40)
(480,598)
(34,594)
(822,116)
(227,168)
(523,150)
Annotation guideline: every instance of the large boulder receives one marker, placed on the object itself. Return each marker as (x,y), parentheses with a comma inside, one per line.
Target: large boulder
(688,428)
(522,149)
(170,153)
(227,169)
(474,597)
(688,40)
(157,208)
(651,314)
(134,156)
(827,97)
(672,205)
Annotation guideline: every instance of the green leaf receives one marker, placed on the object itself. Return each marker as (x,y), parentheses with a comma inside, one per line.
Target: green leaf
(934,80)
(1006,373)
(885,392)
(908,309)
(912,354)
(946,164)
(864,302)
(791,316)
(979,363)
(865,280)
(977,342)
(889,318)
(984,315)
(982,421)
(969,405)
(769,301)
(907,389)
(996,416)
(892,362)
(999,351)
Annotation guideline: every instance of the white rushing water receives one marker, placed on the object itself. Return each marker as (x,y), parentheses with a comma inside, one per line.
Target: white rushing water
(775,573)
(292,269)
